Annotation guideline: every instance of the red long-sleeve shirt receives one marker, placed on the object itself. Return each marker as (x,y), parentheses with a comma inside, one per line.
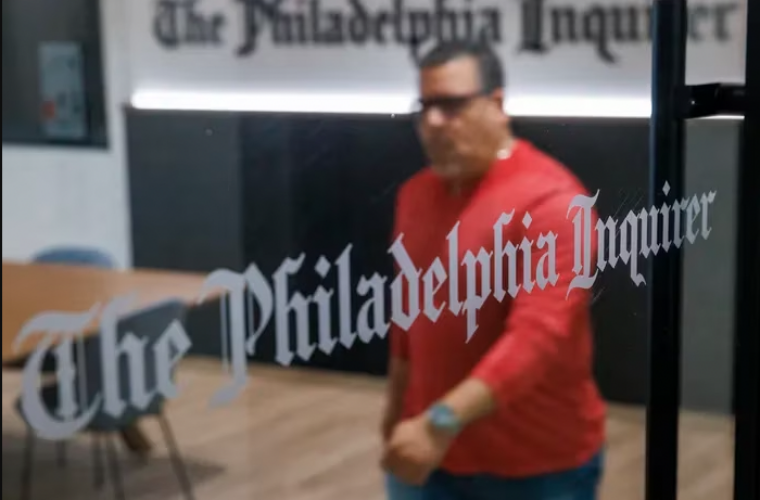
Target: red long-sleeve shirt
(534,350)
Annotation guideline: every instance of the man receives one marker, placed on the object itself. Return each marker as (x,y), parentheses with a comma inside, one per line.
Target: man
(513,413)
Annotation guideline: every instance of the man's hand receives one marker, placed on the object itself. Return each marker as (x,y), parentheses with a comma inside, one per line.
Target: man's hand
(398,377)
(414,450)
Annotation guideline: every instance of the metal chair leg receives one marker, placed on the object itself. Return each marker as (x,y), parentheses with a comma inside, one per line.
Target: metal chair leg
(97,462)
(61,449)
(179,465)
(113,460)
(26,473)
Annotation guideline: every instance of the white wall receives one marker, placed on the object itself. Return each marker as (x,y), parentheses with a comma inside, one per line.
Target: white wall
(54,196)
(57,196)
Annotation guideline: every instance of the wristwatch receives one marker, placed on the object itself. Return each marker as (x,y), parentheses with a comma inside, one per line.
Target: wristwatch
(443,419)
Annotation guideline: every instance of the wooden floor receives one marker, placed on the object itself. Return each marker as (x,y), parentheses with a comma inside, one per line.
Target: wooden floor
(296,435)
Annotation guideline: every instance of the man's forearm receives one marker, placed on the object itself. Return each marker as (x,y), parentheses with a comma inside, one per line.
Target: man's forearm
(470,400)
(398,378)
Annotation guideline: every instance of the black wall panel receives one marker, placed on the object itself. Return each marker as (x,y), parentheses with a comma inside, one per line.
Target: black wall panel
(186,191)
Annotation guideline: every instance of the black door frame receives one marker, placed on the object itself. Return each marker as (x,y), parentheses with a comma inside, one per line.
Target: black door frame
(747,310)
(673,102)
(666,164)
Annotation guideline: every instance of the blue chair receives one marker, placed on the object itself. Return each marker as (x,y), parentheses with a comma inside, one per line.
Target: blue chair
(73,256)
(148,325)
(76,256)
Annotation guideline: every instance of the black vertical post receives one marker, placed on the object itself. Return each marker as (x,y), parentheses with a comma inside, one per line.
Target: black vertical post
(669,105)
(747,310)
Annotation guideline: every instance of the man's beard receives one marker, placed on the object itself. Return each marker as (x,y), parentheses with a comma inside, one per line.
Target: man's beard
(445,160)
(447,170)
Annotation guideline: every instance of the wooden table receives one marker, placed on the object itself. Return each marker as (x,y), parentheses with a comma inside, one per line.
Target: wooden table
(29,289)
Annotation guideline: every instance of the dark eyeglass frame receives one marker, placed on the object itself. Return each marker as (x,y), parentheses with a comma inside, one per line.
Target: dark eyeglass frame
(449,106)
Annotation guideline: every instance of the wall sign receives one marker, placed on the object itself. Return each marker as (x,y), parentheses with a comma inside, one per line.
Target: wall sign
(551,48)
(64,115)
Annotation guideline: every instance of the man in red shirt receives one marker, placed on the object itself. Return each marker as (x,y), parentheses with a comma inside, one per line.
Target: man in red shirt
(491,395)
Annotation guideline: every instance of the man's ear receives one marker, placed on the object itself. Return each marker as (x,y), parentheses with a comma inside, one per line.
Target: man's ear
(498,97)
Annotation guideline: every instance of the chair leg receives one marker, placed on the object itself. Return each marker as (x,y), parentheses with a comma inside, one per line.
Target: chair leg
(113,460)
(26,473)
(61,449)
(179,465)
(97,462)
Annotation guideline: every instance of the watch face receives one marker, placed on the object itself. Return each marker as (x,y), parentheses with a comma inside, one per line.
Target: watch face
(443,418)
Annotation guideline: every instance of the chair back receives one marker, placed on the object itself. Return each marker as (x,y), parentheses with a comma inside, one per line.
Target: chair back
(76,256)
(72,256)
(147,326)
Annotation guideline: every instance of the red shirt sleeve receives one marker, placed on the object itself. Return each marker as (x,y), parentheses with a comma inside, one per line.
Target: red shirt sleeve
(541,323)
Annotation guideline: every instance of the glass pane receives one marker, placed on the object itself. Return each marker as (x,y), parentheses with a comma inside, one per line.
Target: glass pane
(237,289)
(707,445)
(712,162)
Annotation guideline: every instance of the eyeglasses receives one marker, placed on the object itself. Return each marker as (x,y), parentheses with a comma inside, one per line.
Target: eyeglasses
(449,106)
